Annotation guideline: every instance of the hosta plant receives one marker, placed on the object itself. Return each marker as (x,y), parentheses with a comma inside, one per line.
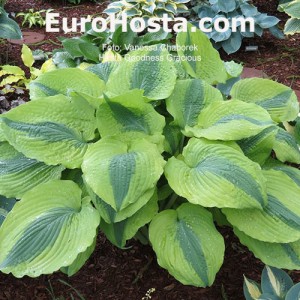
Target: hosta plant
(34,18)
(92,46)
(231,41)
(275,284)
(147,8)
(147,147)
(14,77)
(292,8)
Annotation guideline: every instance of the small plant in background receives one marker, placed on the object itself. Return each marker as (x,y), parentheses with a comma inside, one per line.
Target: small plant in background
(292,8)
(231,41)
(275,285)
(91,46)
(14,77)
(147,8)
(34,18)
(9,29)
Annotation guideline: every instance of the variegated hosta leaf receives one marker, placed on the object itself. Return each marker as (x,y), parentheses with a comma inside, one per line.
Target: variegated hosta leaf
(189,97)
(275,281)
(47,230)
(259,147)
(62,81)
(199,57)
(279,222)
(291,172)
(121,173)
(286,147)
(2,136)
(229,121)
(19,174)
(129,115)
(279,255)
(150,70)
(292,26)
(251,289)
(110,215)
(103,70)
(279,100)
(54,130)
(214,174)
(6,206)
(80,260)
(187,244)
(294,292)
(119,233)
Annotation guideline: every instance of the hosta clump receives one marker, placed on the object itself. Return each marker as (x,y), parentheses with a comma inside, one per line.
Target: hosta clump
(275,284)
(229,40)
(149,149)
(147,8)
(94,47)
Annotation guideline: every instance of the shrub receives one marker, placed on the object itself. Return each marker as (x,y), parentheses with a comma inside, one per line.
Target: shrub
(231,41)
(149,145)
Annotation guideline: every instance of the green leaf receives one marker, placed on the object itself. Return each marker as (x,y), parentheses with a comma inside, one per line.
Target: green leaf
(286,147)
(47,230)
(189,98)
(121,173)
(293,293)
(19,174)
(292,8)
(198,56)
(129,115)
(173,139)
(6,206)
(259,147)
(279,100)
(280,255)
(119,233)
(110,215)
(279,221)
(90,51)
(103,70)
(233,69)
(27,56)
(62,81)
(229,121)
(291,172)
(187,244)
(79,261)
(214,174)
(9,29)
(292,26)
(251,289)
(41,131)
(275,281)
(150,70)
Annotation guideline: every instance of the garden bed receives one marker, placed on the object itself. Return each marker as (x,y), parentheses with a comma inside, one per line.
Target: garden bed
(112,273)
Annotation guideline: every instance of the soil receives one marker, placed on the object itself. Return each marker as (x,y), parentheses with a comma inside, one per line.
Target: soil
(117,274)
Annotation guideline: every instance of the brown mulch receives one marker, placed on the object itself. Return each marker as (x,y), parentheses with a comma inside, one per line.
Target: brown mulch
(117,274)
